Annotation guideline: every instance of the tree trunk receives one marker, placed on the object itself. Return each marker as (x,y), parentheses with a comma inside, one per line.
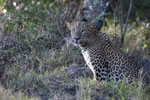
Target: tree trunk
(93,11)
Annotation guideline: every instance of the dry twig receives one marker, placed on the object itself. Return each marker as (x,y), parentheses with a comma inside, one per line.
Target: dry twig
(125,28)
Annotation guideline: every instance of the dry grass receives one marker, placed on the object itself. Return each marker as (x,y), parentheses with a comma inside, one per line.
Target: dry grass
(8,95)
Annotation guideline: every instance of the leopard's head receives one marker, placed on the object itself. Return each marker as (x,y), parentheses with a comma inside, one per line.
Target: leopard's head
(81,32)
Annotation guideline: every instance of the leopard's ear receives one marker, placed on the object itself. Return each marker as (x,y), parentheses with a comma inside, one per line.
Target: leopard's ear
(69,25)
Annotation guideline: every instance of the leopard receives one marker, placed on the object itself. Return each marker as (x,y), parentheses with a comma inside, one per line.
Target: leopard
(106,61)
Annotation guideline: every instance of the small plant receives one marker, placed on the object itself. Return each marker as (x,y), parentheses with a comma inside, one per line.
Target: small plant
(26,82)
(84,92)
(111,90)
(8,95)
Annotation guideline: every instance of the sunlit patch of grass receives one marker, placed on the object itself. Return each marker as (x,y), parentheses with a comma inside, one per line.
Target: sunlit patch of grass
(135,40)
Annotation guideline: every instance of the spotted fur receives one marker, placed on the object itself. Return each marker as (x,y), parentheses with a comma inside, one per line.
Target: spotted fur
(105,60)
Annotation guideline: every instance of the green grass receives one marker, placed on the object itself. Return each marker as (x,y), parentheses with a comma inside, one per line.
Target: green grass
(111,90)
(8,95)
(84,92)
(136,39)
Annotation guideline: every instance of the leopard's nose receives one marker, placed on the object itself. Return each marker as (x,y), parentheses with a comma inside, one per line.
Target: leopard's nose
(77,38)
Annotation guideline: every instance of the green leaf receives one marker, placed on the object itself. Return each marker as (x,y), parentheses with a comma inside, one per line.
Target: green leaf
(1,2)
(145,45)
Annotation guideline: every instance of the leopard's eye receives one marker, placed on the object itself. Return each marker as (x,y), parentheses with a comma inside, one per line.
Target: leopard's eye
(82,31)
(73,30)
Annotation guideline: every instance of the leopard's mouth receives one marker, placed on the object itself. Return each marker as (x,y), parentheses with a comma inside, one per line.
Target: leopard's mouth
(80,42)
(83,43)
(76,40)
